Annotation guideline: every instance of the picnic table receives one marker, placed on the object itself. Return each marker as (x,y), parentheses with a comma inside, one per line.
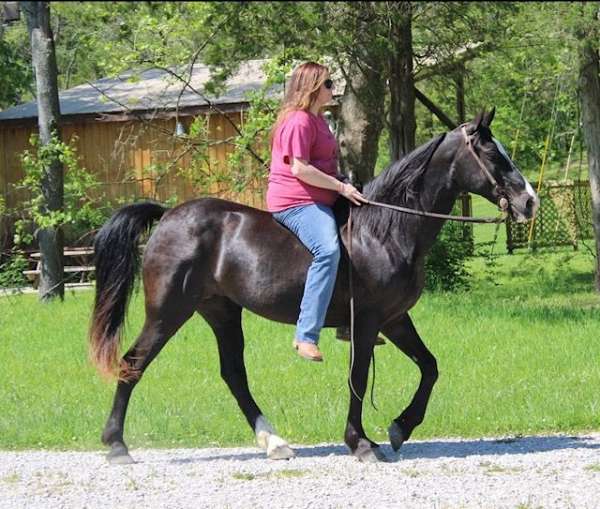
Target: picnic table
(78,264)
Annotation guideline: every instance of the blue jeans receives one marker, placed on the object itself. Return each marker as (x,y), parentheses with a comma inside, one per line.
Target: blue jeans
(316,228)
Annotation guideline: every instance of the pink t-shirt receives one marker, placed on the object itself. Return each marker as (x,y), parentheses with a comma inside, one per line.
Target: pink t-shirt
(304,136)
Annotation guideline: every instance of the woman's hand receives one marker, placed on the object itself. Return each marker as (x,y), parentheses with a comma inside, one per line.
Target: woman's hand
(350,192)
(305,172)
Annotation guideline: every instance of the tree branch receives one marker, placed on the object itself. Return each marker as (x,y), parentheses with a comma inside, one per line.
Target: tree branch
(445,119)
(450,65)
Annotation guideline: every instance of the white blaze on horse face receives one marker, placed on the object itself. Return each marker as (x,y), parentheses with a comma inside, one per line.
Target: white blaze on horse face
(533,194)
(528,188)
(502,151)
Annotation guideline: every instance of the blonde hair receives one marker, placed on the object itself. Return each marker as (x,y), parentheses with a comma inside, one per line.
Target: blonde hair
(302,91)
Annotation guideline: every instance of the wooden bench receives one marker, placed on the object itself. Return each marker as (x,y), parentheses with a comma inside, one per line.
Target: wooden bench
(82,255)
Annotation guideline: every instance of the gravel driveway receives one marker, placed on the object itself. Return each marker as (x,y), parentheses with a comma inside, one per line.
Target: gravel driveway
(526,473)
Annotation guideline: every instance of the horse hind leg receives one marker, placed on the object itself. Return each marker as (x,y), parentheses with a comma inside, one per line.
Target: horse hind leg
(155,334)
(225,319)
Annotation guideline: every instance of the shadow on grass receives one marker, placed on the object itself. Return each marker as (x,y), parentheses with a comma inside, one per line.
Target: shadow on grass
(556,273)
(557,313)
(565,282)
(427,450)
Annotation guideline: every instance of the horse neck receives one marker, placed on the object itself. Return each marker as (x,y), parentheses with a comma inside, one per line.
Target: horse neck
(414,234)
(440,199)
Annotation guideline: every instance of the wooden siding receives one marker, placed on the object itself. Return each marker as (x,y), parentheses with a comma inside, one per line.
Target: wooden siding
(130,158)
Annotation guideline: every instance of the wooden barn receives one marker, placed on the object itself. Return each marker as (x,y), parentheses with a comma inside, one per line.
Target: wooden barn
(130,132)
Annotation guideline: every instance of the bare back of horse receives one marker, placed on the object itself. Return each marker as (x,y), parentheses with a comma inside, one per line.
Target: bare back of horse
(226,250)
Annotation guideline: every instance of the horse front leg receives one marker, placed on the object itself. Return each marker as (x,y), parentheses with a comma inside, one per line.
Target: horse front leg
(366,329)
(404,335)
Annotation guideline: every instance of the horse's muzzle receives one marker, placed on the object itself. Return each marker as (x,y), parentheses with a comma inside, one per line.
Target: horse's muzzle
(524,205)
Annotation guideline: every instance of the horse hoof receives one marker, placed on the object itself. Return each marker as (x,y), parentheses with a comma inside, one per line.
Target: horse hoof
(278,449)
(396,436)
(120,460)
(281,452)
(119,455)
(368,454)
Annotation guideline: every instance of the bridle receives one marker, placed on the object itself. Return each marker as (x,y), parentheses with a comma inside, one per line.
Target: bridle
(502,204)
(502,201)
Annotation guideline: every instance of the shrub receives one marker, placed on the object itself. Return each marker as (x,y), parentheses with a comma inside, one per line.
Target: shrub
(82,210)
(11,270)
(445,265)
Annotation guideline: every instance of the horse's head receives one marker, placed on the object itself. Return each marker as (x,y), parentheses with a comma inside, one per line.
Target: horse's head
(482,166)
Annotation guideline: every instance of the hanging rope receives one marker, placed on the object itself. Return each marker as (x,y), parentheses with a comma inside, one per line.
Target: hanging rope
(569,155)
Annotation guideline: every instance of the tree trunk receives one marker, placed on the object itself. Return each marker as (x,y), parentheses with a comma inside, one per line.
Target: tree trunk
(361,115)
(589,85)
(402,122)
(44,63)
(360,121)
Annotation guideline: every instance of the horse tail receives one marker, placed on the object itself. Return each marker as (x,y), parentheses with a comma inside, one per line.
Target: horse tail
(117,262)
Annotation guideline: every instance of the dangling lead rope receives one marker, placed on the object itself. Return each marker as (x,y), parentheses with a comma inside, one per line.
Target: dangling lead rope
(351,288)
(351,304)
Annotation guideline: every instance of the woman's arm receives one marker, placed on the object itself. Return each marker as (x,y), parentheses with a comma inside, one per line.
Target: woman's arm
(306,172)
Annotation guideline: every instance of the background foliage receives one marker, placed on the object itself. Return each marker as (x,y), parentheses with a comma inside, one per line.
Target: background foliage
(523,60)
(83,206)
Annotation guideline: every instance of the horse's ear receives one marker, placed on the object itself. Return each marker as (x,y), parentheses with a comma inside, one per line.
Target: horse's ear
(488,117)
(474,127)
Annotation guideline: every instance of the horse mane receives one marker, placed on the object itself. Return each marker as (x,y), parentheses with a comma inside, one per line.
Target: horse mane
(401,184)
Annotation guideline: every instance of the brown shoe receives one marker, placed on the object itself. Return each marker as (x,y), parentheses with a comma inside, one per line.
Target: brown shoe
(309,351)
(343,334)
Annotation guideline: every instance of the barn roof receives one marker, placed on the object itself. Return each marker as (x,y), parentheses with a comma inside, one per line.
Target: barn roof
(152,90)
(156,90)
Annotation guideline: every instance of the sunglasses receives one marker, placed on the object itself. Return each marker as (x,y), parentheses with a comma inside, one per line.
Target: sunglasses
(328,83)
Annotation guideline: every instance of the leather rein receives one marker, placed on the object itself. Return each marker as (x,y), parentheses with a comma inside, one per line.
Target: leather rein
(502,203)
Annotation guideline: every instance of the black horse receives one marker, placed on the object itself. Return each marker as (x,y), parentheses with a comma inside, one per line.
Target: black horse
(216,257)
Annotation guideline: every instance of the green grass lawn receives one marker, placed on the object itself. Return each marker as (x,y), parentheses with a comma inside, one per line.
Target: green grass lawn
(519,353)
